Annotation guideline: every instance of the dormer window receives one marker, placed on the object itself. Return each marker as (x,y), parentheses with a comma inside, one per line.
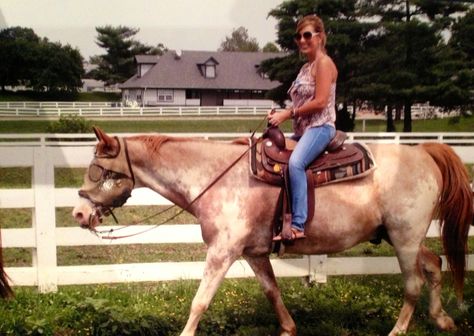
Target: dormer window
(210,71)
(209,68)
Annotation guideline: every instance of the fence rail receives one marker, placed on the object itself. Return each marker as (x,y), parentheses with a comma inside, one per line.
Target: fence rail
(104,111)
(117,109)
(465,139)
(44,152)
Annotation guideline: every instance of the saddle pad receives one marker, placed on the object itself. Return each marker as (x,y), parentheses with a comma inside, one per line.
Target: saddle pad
(352,161)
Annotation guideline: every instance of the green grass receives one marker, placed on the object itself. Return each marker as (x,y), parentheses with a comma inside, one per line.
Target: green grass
(462,124)
(15,177)
(346,305)
(246,125)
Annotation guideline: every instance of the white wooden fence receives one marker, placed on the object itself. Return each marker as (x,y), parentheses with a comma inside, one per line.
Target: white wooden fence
(45,152)
(116,109)
(105,111)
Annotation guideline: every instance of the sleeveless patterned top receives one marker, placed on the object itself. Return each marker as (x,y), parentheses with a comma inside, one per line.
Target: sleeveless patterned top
(302,91)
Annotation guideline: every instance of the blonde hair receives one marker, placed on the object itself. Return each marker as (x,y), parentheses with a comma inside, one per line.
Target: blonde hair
(318,25)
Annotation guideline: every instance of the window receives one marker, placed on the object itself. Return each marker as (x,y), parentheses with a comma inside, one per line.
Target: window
(210,71)
(166,96)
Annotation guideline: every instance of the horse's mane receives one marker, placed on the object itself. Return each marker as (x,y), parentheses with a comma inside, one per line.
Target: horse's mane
(154,142)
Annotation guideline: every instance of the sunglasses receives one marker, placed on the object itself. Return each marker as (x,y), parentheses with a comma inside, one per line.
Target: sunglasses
(306,35)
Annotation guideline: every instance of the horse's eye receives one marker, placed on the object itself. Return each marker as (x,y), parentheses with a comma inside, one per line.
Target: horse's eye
(115,175)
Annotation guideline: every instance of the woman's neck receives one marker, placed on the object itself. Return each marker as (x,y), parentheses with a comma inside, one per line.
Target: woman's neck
(313,57)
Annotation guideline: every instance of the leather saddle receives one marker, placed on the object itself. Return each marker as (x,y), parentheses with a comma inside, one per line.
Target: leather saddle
(339,162)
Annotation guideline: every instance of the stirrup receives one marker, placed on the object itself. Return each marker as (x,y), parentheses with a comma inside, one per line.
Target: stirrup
(295,234)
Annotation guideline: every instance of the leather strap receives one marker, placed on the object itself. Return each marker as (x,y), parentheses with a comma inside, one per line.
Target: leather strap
(286,230)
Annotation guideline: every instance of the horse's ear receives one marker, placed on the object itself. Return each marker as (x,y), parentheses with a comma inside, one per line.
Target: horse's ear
(107,145)
(101,136)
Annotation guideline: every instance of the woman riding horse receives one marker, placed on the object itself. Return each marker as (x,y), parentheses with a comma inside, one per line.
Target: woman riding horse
(411,186)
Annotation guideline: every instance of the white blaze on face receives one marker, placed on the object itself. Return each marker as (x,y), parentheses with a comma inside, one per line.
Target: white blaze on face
(82,211)
(107,185)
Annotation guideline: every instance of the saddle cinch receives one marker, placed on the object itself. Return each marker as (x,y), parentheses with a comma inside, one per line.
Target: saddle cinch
(339,162)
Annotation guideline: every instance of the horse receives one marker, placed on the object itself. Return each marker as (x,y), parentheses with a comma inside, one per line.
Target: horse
(410,186)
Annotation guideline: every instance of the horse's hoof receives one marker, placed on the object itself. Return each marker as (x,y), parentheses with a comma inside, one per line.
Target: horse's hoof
(286,333)
(445,322)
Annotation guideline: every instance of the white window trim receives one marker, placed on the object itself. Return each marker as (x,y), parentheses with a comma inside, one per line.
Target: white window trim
(165,96)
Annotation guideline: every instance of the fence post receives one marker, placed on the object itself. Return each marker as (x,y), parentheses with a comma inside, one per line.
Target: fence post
(44,220)
(318,268)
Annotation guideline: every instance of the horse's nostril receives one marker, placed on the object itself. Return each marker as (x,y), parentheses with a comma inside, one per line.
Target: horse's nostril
(78,215)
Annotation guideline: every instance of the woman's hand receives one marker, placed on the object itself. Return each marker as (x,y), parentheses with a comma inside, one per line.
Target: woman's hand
(276,118)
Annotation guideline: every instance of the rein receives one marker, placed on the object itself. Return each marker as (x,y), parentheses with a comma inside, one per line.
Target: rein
(102,235)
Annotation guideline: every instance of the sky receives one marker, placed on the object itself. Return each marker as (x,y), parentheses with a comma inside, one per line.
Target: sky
(178,24)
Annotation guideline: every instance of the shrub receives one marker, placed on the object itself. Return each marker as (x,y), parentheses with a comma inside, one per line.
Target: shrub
(70,124)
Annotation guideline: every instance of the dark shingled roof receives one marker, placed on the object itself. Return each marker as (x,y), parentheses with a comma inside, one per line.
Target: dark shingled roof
(147,59)
(234,70)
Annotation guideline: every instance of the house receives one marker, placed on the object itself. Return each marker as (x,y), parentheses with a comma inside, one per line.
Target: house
(199,78)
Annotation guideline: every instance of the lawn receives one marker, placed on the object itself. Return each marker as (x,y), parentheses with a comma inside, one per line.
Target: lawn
(355,305)
(216,124)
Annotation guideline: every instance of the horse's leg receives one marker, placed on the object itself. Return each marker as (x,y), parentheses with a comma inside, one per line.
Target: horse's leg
(431,264)
(409,259)
(264,272)
(218,261)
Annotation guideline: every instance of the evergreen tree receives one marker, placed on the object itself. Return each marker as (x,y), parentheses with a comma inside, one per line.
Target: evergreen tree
(455,69)
(117,64)
(414,54)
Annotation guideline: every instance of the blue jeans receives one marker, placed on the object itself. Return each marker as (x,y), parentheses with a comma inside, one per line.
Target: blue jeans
(309,146)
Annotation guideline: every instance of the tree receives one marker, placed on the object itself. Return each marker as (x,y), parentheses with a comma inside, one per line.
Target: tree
(270,47)
(17,47)
(117,65)
(455,69)
(417,44)
(58,68)
(26,59)
(239,41)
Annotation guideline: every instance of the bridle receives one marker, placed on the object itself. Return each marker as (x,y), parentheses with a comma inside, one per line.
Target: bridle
(100,209)
(106,210)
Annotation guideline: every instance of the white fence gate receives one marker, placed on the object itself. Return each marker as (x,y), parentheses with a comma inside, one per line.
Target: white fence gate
(45,152)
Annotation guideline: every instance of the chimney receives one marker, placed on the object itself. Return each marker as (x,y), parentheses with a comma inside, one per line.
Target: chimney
(177,54)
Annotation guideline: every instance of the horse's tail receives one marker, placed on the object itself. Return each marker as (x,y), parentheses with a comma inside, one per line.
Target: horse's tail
(5,289)
(455,209)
